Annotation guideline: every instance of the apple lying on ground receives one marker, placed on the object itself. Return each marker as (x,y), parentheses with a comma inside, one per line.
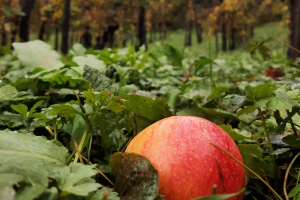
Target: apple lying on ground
(188,165)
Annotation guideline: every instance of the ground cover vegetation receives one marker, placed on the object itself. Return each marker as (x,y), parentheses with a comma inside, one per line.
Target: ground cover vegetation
(95,102)
(64,116)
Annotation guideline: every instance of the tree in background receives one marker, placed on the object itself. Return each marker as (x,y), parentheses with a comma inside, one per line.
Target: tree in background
(65,28)
(10,13)
(5,19)
(27,6)
(198,24)
(46,12)
(113,23)
(294,29)
(235,19)
(189,24)
(56,16)
(141,28)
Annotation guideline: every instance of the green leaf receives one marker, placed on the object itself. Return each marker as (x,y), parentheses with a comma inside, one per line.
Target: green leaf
(91,61)
(173,55)
(136,178)
(253,158)
(37,53)
(16,77)
(292,141)
(115,104)
(102,98)
(79,126)
(218,92)
(35,106)
(199,64)
(123,74)
(264,51)
(7,11)
(194,110)
(10,117)
(38,116)
(261,47)
(111,126)
(32,179)
(57,76)
(25,148)
(7,92)
(76,179)
(236,99)
(218,112)
(221,196)
(294,191)
(264,90)
(127,89)
(281,151)
(78,49)
(277,140)
(250,95)
(98,81)
(21,109)
(234,135)
(147,107)
(246,110)
(294,94)
(172,96)
(65,109)
(281,101)
(26,158)
(262,102)
(105,56)
(89,97)
(136,123)
(49,194)
(109,194)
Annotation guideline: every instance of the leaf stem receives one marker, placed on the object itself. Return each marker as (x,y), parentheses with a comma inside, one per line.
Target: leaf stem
(70,157)
(286,175)
(27,125)
(88,123)
(269,143)
(285,44)
(106,195)
(81,106)
(266,130)
(90,147)
(292,124)
(55,131)
(260,178)
(100,172)
(77,149)
(298,177)
(288,118)
(49,130)
(80,145)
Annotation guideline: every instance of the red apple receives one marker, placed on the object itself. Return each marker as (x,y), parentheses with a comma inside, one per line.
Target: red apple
(188,166)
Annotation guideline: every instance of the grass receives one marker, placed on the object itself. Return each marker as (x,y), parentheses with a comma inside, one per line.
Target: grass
(278,30)
(51,39)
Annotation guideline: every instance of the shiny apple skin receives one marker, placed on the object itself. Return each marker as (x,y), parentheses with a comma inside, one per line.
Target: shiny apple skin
(188,165)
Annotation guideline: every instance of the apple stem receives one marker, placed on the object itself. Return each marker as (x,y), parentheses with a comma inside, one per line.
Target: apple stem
(215,186)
